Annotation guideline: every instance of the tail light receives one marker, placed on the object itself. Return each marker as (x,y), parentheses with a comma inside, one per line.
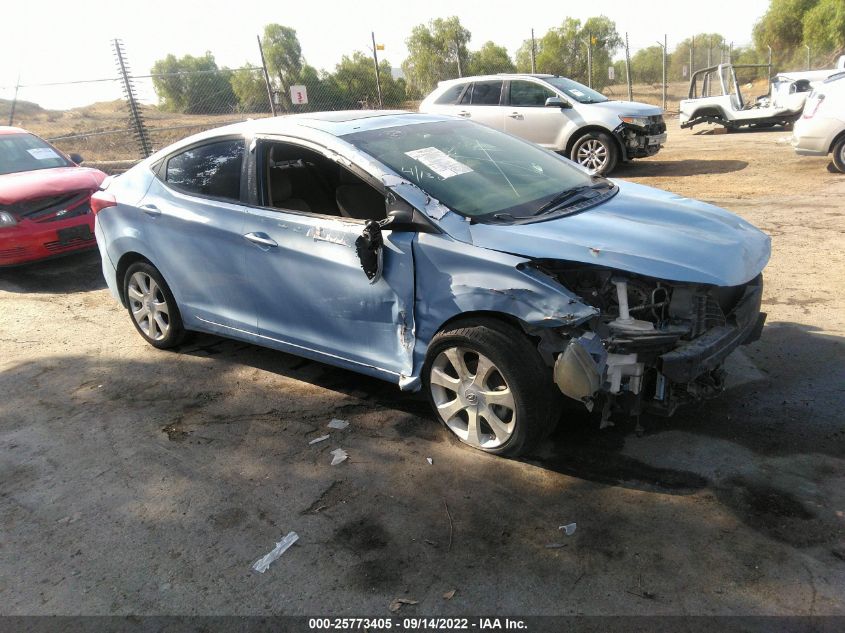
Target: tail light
(812,108)
(102,200)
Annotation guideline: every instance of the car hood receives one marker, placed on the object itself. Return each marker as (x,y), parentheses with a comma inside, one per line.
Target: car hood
(41,183)
(644,231)
(631,108)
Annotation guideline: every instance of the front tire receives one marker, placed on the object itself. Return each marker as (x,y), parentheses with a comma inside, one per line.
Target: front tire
(488,385)
(151,306)
(839,155)
(595,151)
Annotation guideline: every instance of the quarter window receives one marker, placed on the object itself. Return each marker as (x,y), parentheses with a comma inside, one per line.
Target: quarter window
(450,95)
(527,94)
(486,92)
(210,170)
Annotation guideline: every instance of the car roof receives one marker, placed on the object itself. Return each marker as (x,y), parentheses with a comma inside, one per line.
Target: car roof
(497,76)
(8,129)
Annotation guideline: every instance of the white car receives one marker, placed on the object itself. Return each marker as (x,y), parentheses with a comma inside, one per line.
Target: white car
(556,113)
(821,129)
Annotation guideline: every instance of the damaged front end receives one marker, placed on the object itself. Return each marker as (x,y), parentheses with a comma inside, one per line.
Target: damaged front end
(654,344)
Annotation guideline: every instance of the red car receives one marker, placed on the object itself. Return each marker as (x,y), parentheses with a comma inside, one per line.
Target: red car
(45,207)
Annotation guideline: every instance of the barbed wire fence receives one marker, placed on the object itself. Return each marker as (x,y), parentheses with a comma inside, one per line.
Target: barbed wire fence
(121,119)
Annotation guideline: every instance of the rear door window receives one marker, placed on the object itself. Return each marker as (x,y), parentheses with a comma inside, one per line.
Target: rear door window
(486,92)
(528,94)
(451,95)
(212,170)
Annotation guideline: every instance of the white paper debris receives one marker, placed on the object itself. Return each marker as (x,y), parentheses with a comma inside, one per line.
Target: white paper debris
(430,461)
(322,438)
(439,162)
(42,153)
(569,528)
(338,424)
(263,563)
(338,455)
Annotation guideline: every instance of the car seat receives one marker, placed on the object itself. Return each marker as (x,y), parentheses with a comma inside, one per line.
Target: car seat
(358,200)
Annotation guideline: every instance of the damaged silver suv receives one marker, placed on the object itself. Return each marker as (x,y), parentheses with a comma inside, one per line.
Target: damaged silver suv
(437,254)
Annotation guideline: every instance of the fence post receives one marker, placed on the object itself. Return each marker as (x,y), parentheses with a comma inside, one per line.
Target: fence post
(589,59)
(266,77)
(807,46)
(665,43)
(14,101)
(458,58)
(692,56)
(136,118)
(770,61)
(628,69)
(533,54)
(378,79)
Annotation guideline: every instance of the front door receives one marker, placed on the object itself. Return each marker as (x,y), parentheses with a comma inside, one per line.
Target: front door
(528,117)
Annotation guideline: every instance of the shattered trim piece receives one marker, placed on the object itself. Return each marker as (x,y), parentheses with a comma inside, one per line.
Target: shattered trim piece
(263,563)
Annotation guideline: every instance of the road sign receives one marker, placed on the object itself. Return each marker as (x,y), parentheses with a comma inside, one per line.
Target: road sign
(298,95)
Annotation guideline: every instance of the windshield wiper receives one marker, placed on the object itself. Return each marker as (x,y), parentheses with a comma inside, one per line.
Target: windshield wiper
(584,192)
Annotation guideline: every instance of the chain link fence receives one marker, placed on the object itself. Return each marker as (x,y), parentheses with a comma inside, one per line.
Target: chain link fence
(122,118)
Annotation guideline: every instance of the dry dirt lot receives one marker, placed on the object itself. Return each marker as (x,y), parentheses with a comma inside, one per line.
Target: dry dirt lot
(134,481)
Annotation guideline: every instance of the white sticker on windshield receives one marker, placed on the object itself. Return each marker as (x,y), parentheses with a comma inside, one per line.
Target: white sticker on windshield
(439,162)
(576,92)
(43,153)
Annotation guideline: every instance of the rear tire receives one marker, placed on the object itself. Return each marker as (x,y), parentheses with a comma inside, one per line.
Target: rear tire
(595,151)
(151,306)
(488,385)
(839,155)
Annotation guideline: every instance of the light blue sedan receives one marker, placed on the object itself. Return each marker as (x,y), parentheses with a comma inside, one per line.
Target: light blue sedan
(439,254)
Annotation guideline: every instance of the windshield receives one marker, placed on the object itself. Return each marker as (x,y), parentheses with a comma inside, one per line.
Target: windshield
(574,90)
(472,169)
(25,152)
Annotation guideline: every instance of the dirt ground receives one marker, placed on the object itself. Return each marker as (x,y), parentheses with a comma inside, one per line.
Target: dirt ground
(134,481)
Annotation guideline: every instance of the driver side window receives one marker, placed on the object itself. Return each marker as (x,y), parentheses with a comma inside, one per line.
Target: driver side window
(295,178)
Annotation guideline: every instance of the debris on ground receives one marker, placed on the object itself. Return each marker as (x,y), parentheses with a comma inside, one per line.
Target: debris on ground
(569,528)
(263,563)
(398,602)
(555,545)
(449,594)
(338,424)
(430,461)
(322,438)
(338,455)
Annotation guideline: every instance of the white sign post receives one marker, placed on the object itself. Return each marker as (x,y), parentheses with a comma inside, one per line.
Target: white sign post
(611,73)
(298,95)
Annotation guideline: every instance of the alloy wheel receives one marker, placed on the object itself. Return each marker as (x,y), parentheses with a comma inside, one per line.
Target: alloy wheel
(149,306)
(472,397)
(592,154)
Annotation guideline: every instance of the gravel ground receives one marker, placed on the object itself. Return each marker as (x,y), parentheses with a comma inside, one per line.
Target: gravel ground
(134,481)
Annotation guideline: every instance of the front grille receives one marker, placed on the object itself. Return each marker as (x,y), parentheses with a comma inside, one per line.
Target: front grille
(74,243)
(52,208)
(9,253)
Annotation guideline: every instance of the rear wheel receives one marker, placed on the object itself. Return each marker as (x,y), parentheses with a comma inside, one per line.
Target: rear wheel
(152,307)
(488,385)
(596,151)
(839,154)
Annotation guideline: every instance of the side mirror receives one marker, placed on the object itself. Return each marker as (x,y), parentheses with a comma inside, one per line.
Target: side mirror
(557,102)
(401,216)
(76,158)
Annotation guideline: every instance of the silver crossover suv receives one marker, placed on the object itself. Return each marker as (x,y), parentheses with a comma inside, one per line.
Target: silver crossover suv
(556,113)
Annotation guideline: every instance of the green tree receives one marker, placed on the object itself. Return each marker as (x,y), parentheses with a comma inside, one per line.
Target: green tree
(706,46)
(250,90)
(522,58)
(790,25)
(193,85)
(563,50)
(436,51)
(824,27)
(489,59)
(647,65)
(355,78)
(283,54)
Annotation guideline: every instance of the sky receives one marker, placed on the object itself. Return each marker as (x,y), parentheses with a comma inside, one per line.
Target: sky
(64,41)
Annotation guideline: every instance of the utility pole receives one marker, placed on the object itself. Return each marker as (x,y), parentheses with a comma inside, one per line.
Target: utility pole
(266,77)
(628,69)
(533,54)
(375,61)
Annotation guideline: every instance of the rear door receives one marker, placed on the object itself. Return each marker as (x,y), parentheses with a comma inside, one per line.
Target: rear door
(481,103)
(527,116)
(195,225)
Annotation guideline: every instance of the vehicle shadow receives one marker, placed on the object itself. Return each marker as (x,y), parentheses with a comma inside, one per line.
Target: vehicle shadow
(773,407)
(686,167)
(80,272)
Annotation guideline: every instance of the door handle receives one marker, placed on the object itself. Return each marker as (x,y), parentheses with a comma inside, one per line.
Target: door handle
(151,210)
(464,114)
(261,238)
(516,115)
